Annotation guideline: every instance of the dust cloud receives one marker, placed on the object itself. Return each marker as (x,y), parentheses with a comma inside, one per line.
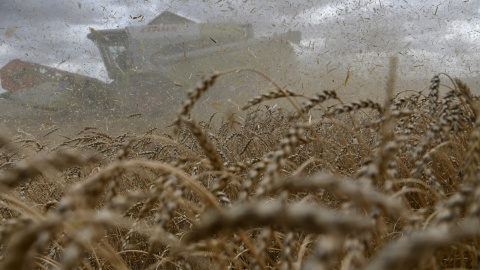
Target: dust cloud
(128,68)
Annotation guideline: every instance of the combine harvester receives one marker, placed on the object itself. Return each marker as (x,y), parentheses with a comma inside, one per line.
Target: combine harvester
(150,68)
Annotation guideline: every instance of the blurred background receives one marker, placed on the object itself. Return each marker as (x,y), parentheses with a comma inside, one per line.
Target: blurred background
(343,45)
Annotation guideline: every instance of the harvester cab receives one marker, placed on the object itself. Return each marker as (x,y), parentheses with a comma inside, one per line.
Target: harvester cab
(113,49)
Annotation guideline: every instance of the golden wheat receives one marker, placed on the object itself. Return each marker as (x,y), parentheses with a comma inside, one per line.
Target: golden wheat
(357,185)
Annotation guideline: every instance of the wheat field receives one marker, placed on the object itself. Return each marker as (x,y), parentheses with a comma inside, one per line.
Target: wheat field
(322,184)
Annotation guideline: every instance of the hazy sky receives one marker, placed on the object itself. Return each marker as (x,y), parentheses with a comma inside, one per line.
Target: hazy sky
(428,36)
